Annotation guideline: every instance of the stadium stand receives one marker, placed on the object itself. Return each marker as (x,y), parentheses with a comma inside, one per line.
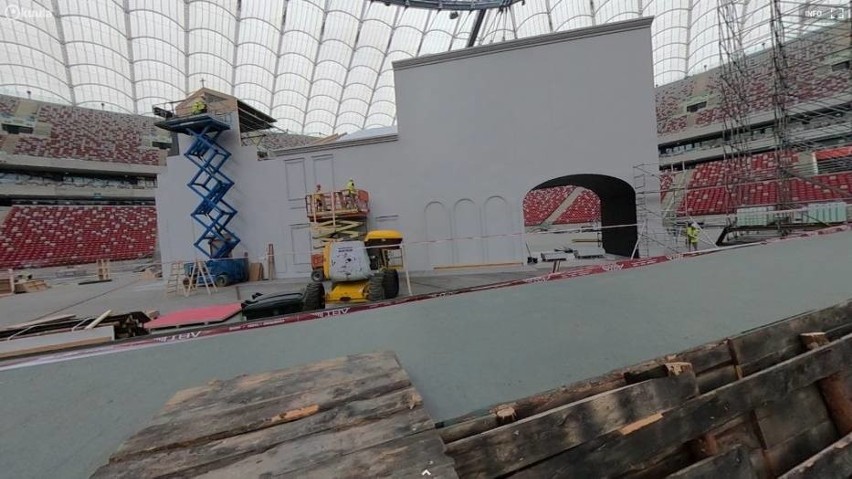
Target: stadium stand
(59,131)
(539,204)
(275,141)
(674,99)
(40,236)
(714,199)
(666,180)
(586,208)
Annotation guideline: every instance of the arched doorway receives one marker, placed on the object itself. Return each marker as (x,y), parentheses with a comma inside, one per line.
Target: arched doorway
(617,201)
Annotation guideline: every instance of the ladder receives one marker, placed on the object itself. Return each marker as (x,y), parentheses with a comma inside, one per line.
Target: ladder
(200,274)
(640,187)
(174,285)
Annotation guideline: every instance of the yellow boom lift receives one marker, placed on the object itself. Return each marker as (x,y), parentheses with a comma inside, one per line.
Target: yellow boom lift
(362,266)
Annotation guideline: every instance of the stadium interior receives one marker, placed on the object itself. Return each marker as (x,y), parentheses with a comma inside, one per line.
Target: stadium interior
(118,116)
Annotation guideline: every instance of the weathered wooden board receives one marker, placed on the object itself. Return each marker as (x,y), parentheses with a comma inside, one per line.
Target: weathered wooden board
(530,440)
(337,415)
(668,462)
(791,415)
(833,461)
(771,344)
(833,389)
(204,457)
(616,453)
(799,448)
(733,464)
(716,378)
(702,358)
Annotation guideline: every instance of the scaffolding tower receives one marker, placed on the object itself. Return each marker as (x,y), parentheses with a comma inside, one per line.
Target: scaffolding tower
(795,66)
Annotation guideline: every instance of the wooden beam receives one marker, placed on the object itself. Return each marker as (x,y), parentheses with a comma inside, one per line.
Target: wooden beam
(833,388)
(517,445)
(244,404)
(833,461)
(733,464)
(354,419)
(616,453)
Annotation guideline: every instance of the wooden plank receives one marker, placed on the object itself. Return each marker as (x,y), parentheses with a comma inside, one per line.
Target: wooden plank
(670,461)
(834,389)
(408,458)
(716,378)
(330,447)
(51,319)
(616,452)
(704,357)
(796,449)
(479,421)
(55,342)
(210,423)
(791,415)
(219,453)
(517,445)
(833,461)
(779,341)
(733,464)
(278,383)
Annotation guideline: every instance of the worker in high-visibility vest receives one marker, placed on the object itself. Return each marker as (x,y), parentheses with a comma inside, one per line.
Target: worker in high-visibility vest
(198,107)
(692,236)
(351,193)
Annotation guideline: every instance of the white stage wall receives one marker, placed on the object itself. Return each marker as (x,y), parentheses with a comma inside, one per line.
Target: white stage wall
(477,129)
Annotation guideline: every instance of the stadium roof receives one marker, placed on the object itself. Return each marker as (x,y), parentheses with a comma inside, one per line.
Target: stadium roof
(317,66)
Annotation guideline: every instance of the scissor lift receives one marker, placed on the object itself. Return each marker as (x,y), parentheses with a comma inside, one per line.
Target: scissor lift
(211,184)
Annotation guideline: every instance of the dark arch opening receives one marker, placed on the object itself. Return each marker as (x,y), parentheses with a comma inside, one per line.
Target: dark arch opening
(618,207)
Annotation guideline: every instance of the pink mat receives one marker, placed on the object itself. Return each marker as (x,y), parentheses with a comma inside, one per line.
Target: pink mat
(186,317)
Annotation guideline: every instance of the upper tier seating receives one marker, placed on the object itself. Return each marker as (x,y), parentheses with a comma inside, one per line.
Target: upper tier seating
(40,236)
(539,204)
(809,75)
(82,133)
(757,167)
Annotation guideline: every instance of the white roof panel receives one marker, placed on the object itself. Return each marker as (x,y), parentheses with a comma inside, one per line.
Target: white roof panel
(318,66)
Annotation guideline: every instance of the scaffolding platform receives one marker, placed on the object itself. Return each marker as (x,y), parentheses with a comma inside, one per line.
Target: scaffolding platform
(204,121)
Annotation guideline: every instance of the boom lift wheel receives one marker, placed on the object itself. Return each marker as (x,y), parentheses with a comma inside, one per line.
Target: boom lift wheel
(376,288)
(390,283)
(314,297)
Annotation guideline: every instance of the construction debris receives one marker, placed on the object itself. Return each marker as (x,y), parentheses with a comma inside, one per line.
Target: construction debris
(27,285)
(67,331)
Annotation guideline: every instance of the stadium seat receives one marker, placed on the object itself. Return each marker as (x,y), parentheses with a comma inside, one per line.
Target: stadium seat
(40,236)
(539,204)
(86,134)
(586,208)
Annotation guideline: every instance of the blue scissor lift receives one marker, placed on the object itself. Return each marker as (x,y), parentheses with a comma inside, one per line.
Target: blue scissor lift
(211,184)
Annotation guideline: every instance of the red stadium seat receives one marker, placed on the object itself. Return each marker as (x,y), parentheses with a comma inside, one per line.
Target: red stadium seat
(586,208)
(87,134)
(40,236)
(539,204)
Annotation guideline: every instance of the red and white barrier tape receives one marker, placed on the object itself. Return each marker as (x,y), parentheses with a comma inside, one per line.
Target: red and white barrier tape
(133,344)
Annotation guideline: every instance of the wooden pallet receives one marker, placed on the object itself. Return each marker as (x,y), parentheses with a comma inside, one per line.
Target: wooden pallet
(31,286)
(352,417)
